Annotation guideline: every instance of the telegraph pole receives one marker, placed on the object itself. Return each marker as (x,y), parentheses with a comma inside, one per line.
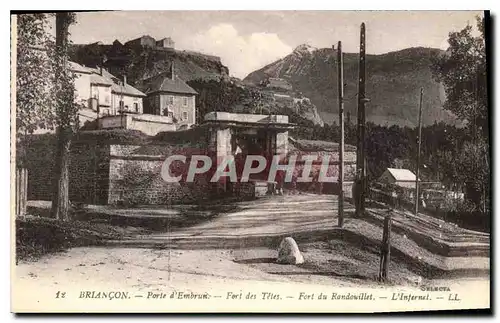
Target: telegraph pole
(340,84)
(361,157)
(419,141)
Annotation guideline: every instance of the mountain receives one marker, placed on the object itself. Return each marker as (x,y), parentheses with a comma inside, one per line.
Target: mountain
(393,84)
(205,73)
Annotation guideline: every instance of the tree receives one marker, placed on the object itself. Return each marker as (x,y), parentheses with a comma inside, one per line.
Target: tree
(45,95)
(462,71)
(34,78)
(66,116)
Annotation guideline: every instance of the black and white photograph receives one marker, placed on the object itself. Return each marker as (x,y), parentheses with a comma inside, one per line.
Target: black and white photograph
(279,161)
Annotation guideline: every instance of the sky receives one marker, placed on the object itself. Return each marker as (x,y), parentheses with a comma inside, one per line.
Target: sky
(249,40)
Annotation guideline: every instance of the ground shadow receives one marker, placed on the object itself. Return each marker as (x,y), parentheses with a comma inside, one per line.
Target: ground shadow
(256,261)
(143,216)
(308,269)
(323,273)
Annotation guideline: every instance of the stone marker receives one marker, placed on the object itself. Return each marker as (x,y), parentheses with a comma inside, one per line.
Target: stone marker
(289,253)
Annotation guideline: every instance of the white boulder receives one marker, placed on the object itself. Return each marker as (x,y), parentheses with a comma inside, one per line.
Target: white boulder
(289,253)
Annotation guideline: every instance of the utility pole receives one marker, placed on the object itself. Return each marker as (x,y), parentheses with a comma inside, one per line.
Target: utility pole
(361,157)
(419,141)
(340,84)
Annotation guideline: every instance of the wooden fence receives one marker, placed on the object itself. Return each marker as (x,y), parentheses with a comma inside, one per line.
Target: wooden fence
(21,192)
(469,220)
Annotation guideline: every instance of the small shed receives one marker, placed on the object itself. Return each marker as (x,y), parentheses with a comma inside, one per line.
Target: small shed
(398,176)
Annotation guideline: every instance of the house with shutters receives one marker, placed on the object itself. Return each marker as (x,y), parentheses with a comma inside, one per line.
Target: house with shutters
(105,94)
(168,103)
(168,95)
(101,94)
(124,97)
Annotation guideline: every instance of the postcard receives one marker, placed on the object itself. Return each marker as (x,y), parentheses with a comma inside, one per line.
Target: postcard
(250,161)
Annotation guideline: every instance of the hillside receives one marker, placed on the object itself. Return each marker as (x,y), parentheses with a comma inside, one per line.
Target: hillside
(393,84)
(141,63)
(205,73)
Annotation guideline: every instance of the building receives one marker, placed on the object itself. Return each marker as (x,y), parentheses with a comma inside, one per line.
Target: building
(117,104)
(100,93)
(165,43)
(321,151)
(277,84)
(103,95)
(126,110)
(143,41)
(82,83)
(106,171)
(168,95)
(400,177)
(92,92)
(124,97)
(148,41)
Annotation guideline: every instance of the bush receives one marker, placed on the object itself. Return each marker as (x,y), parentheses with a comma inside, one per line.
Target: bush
(36,236)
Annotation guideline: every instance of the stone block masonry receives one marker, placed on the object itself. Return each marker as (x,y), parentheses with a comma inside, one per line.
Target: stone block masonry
(114,174)
(87,172)
(136,179)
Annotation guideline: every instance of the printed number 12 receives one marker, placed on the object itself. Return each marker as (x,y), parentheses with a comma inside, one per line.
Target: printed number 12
(60,294)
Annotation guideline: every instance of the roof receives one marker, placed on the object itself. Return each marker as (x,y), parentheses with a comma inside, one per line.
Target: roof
(318,145)
(98,79)
(138,38)
(164,83)
(116,84)
(126,89)
(75,67)
(110,76)
(401,174)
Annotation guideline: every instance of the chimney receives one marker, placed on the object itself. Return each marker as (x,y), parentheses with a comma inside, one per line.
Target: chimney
(172,71)
(100,70)
(124,79)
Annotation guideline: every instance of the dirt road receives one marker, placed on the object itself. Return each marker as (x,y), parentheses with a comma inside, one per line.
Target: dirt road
(141,273)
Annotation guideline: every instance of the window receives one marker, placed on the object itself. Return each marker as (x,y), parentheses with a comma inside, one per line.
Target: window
(136,107)
(170,100)
(167,112)
(122,106)
(184,102)
(93,104)
(184,115)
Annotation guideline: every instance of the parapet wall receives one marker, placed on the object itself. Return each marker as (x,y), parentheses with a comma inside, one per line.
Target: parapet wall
(136,179)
